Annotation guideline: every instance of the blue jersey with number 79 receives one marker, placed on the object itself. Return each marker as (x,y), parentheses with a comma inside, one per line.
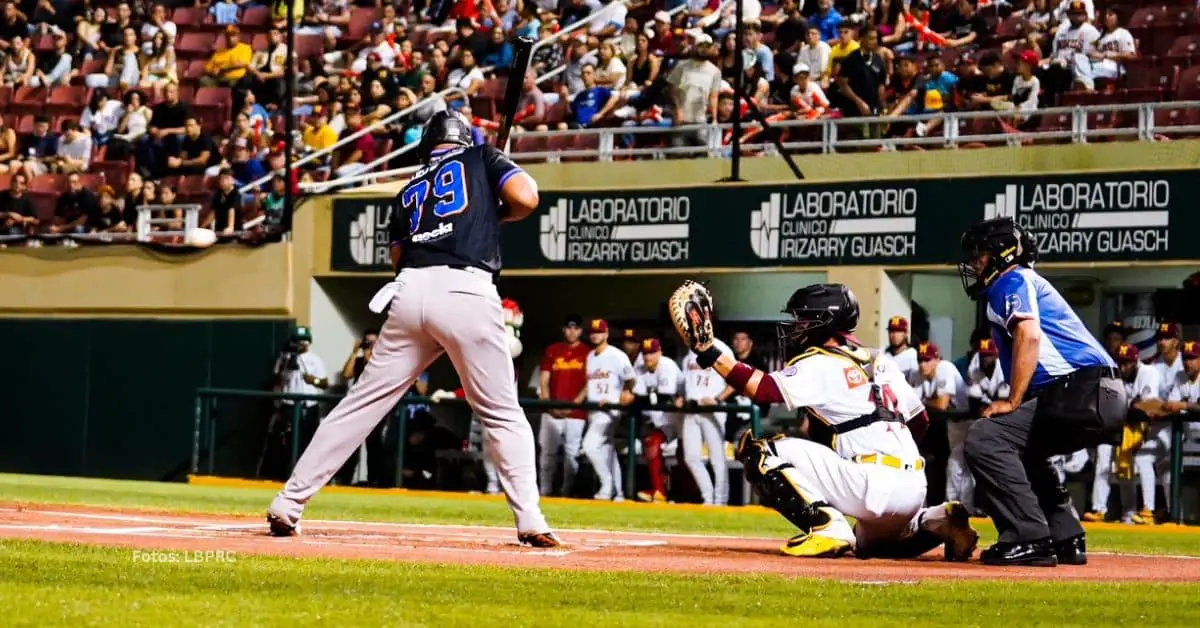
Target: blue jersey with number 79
(449,213)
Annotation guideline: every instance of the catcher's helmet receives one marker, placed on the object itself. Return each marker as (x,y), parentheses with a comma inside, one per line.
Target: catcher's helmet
(989,248)
(444,127)
(818,312)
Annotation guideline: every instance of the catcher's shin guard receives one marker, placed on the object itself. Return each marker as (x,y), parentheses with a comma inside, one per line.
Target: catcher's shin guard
(774,488)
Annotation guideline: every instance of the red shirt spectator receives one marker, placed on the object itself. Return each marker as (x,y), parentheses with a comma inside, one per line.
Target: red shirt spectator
(563,366)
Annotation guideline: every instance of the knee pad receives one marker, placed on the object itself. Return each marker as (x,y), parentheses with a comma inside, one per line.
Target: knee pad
(776,491)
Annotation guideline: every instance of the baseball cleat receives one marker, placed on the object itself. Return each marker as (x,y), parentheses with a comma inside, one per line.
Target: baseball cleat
(280,526)
(1143,517)
(1093,516)
(647,496)
(815,546)
(539,539)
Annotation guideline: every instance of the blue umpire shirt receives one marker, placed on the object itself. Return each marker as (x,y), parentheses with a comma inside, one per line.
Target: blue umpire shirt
(1066,344)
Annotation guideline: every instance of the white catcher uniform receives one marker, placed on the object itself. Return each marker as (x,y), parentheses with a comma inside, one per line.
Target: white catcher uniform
(707,428)
(1145,386)
(873,473)
(662,385)
(608,373)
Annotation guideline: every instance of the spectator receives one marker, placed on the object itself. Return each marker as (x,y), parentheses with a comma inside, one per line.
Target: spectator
(374,103)
(627,42)
(135,121)
(762,52)
(246,167)
(815,54)
(888,17)
(9,148)
(468,78)
(316,132)
(609,20)
(468,39)
(299,371)
(13,26)
(353,157)
(791,29)
(1025,89)
(158,66)
(74,206)
(89,31)
(17,214)
(268,69)
(663,40)
(1038,24)
(427,94)
(1114,48)
(229,65)
(571,11)
(166,127)
(862,78)
(549,56)
(107,217)
(256,114)
(38,149)
(271,203)
(499,52)
(102,117)
(1062,12)
(132,198)
(325,16)
(19,64)
(53,66)
(905,96)
(74,149)
(808,100)
(826,20)
(531,107)
(967,27)
(226,205)
(990,87)
(847,42)
(528,24)
(158,22)
(197,152)
(121,69)
(696,83)
(378,44)
(610,70)
(588,102)
(577,57)
(644,66)
(943,16)
(225,12)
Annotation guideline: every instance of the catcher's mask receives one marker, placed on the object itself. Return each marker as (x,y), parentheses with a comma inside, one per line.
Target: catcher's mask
(444,127)
(989,248)
(818,312)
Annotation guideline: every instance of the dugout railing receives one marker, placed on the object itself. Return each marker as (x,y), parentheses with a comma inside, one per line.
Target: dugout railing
(205,439)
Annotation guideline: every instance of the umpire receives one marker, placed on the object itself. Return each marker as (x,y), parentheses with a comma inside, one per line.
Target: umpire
(1065,394)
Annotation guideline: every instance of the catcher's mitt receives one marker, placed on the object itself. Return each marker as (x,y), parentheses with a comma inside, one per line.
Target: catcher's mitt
(691,307)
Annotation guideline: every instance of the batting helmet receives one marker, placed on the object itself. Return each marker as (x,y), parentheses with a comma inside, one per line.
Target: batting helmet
(444,127)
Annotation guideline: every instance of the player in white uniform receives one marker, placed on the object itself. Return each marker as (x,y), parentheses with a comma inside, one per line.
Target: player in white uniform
(659,380)
(860,459)
(1141,385)
(1185,393)
(610,381)
(704,387)
(1153,460)
(901,353)
(940,387)
(1074,43)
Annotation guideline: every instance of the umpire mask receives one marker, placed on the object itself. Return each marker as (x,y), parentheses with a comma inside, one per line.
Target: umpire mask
(989,248)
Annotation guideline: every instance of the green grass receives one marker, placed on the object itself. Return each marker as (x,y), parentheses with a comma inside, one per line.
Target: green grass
(451,509)
(44,584)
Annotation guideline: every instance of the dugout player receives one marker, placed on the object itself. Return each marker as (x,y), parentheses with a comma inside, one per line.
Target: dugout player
(658,380)
(862,460)
(445,247)
(1065,394)
(904,355)
(562,378)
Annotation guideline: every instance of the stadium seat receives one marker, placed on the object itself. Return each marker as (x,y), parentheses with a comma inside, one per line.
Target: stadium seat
(361,19)
(256,19)
(1079,99)
(1053,122)
(194,71)
(1167,117)
(6,97)
(195,45)
(114,172)
(67,99)
(52,183)
(187,17)
(308,46)
(43,203)
(1184,51)
(44,43)
(29,100)
(212,105)
(5,181)
(24,125)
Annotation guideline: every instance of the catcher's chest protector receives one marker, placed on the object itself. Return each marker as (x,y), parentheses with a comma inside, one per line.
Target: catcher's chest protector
(825,432)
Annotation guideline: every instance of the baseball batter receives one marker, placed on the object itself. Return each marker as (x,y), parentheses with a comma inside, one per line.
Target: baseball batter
(659,379)
(562,379)
(860,459)
(445,234)
(610,381)
(703,387)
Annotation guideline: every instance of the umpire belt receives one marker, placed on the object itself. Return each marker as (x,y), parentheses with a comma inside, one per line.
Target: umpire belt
(890,461)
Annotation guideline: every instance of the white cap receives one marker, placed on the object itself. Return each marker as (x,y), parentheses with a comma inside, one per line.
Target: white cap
(801,68)
(662,16)
(703,38)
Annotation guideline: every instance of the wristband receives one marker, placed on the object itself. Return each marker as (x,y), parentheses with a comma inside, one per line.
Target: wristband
(708,357)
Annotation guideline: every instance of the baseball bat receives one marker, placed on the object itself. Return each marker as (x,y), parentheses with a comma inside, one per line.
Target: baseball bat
(522,49)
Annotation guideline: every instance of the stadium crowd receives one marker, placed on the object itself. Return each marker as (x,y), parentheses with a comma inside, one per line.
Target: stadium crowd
(111,105)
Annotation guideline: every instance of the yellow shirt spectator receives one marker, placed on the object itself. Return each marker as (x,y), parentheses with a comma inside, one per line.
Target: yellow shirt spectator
(230,64)
(839,50)
(319,137)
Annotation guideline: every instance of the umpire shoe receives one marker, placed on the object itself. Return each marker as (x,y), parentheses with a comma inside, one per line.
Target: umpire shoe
(542,540)
(1039,553)
(1072,551)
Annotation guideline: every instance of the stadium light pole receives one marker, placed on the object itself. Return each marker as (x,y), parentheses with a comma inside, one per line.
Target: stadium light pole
(289,118)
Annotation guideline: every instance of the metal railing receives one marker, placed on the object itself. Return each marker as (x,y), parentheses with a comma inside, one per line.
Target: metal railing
(204,429)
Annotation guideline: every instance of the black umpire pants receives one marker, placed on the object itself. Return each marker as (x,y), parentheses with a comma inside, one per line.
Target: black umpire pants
(1009,454)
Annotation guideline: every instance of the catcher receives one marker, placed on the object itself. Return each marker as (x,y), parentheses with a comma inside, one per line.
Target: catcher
(860,458)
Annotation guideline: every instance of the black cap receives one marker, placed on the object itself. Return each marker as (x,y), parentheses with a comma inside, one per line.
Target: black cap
(573,320)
